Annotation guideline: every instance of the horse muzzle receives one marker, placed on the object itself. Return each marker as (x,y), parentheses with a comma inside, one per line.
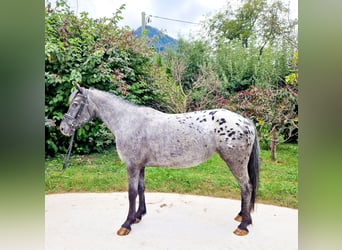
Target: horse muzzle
(65,129)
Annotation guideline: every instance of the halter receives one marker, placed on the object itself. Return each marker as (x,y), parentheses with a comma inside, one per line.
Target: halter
(75,123)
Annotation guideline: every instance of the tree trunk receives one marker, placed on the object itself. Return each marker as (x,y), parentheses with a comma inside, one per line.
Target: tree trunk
(274,145)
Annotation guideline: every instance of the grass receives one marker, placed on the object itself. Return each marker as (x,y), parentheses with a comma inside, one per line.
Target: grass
(106,173)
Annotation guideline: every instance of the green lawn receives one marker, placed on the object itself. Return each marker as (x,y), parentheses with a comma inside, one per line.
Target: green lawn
(106,173)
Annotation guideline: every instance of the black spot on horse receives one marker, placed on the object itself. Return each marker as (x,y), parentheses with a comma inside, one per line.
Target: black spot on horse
(203,120)
(237,124)
(229,130)
(223,134)
(221,121)
(231,133)
(212,113)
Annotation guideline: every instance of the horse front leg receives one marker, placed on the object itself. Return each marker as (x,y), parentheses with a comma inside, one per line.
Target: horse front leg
(133,181)
(141,193)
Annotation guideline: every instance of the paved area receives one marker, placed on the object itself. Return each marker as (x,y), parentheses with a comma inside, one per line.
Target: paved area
(173,221)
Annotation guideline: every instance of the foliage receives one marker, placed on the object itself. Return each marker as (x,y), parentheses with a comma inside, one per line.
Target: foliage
(239,25)
(207,77)
(274,109)
(252,45)
(292,78)
(239,68)
(95,53)
(171,93)
(194,55)
(106,173)
(268,21)
(192,80)
(206,91)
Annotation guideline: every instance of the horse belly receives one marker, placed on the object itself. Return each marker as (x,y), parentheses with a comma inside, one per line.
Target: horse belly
(180,152)
(184,159)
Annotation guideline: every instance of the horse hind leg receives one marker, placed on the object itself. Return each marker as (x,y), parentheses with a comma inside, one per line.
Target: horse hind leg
(244,216)
(240,172)
(248,182)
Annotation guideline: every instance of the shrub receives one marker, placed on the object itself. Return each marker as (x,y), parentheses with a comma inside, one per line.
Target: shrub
(274,110)
(240,68)
(94,53)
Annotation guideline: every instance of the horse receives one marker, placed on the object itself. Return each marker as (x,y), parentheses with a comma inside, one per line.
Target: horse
(147,137)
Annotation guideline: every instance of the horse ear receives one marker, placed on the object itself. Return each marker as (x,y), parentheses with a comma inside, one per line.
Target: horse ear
(78,87)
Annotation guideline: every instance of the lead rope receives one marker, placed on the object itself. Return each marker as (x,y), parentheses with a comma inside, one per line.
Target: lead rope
(67,156)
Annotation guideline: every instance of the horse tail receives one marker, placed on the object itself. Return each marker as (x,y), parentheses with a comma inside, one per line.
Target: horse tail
(253,169)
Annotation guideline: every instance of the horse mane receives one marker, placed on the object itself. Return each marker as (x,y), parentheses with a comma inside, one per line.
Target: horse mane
(117,98)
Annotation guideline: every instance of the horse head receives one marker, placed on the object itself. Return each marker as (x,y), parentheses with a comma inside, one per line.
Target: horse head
(79,112)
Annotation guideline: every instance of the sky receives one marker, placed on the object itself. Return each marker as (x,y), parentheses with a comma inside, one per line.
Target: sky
(185,10)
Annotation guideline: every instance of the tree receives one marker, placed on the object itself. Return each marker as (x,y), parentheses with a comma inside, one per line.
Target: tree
(252,45)
(274,25)
(268,22)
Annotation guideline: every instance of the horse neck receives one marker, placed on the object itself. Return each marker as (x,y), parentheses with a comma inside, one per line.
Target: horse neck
(110,109)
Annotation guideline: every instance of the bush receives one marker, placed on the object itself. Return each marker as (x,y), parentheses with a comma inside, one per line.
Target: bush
(240,68)
(94,53)
(274,110)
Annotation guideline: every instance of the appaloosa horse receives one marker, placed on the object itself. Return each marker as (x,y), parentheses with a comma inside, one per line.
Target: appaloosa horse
(147,137)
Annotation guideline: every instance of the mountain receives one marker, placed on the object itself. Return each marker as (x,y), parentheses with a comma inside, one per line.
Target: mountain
(160,40)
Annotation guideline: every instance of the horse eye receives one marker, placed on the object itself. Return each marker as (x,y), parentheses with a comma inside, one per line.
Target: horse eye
(74,105)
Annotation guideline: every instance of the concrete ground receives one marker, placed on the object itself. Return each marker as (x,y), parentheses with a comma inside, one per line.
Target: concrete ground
(173,221)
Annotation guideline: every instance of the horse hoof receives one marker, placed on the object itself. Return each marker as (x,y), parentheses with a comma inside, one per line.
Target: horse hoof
(137,221)
(240,232)
(123,231)
(238,218)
